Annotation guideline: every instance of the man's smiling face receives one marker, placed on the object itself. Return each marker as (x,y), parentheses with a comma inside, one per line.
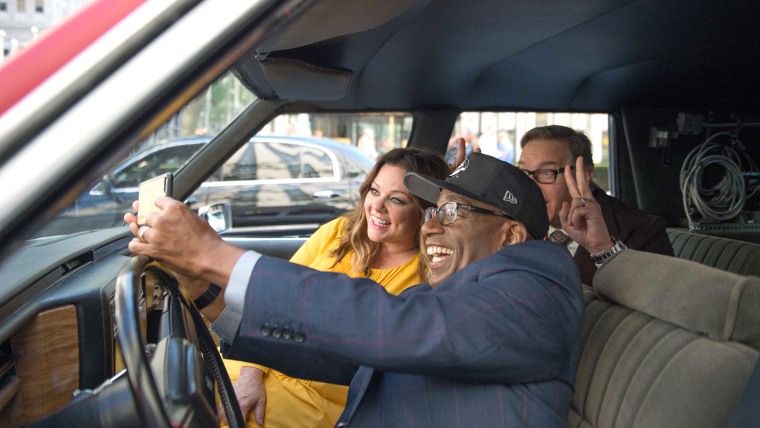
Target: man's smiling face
(471,237)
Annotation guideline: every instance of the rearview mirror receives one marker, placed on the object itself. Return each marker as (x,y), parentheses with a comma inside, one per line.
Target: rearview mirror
(218,216)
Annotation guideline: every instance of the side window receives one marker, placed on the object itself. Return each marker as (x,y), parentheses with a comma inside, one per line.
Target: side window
(151,165)
(315,163)
(278,161)
(499,133)
(241,166)
(373,133)
(355,168)
(275,161)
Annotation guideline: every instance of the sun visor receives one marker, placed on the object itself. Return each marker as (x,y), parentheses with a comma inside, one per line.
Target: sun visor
(326,19)
(297,80)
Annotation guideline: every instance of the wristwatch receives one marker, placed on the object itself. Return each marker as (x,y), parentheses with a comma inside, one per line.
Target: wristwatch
(601,258)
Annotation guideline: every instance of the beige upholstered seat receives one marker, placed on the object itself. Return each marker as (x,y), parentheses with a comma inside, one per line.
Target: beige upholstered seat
(723,253)
(667,343)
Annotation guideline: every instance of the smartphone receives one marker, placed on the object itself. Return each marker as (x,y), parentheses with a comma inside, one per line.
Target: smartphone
(149,191)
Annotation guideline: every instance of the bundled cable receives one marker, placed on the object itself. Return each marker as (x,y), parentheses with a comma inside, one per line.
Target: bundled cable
(723,200)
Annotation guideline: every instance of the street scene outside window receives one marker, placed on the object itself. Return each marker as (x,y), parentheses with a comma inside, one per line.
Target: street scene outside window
(298,172)
(498,134)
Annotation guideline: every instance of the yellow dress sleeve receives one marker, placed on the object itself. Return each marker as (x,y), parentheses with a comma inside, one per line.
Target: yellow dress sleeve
(317,248)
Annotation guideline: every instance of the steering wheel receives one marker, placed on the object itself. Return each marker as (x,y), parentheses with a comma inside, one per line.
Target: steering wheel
(186,363)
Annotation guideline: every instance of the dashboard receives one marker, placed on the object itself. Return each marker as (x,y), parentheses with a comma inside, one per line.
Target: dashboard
(64,344)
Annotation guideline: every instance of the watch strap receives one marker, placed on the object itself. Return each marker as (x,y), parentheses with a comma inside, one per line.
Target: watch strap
(206,298)
(616,248)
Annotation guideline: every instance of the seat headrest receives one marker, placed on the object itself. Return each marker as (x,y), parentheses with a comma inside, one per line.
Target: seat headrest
(722,305)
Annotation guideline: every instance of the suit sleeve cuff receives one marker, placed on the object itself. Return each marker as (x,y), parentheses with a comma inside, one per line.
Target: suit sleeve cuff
(228,322)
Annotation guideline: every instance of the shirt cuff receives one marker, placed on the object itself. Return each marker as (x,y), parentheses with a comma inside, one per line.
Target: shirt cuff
(228,322)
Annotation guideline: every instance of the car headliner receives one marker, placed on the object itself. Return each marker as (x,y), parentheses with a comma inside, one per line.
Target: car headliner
(545,55)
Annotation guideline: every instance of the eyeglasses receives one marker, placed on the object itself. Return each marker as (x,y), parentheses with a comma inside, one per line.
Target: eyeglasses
(447,213)
(545,176)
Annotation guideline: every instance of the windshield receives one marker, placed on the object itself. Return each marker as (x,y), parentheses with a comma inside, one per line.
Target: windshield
(166,150)
(299,171)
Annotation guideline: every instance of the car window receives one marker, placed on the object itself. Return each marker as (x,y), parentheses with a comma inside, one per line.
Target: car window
(241,166)
(300,171)
(315,163)
(312,164)
(167,149)
(373,133)
(498,133)
(354,168)
(278,161)
(159,162)
(263,160)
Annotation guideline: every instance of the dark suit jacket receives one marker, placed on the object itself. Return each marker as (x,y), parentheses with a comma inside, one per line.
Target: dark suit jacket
(495,344)
(635,228)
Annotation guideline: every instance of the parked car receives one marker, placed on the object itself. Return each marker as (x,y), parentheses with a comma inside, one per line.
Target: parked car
(672,75)
(273,185)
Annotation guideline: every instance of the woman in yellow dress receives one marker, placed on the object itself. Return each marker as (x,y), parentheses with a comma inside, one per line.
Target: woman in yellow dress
(380,239)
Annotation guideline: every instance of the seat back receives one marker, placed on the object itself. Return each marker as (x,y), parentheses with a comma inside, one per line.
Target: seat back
(723,253)
(667,342)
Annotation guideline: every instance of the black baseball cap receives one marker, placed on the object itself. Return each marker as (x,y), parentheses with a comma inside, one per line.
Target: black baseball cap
(487,179)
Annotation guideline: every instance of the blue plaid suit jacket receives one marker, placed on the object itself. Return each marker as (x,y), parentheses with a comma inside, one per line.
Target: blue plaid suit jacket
(495,344)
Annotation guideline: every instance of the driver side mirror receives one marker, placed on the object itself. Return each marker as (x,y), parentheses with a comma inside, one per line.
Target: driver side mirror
(218,216)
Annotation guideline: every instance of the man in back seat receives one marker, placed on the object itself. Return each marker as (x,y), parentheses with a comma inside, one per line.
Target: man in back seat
(549,155)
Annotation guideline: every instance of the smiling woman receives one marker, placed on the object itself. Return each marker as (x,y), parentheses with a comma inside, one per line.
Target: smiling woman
(379,239)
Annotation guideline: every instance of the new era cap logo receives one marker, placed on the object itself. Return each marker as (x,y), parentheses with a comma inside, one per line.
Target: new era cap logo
(509,197)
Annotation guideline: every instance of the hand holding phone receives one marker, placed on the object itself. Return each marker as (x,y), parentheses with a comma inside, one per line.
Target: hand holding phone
(149,191)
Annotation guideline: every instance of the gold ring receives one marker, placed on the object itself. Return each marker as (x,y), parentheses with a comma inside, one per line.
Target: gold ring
(141,232)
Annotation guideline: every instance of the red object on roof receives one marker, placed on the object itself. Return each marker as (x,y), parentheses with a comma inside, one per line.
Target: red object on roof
(28,68)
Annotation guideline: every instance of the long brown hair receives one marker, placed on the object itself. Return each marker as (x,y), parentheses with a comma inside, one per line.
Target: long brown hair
(355,235)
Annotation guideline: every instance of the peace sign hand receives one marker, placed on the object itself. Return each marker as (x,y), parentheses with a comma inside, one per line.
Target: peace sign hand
(582,217)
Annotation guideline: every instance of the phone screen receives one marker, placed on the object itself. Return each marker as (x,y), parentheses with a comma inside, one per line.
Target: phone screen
(149,191)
